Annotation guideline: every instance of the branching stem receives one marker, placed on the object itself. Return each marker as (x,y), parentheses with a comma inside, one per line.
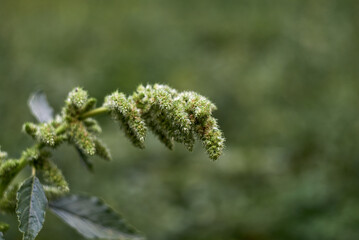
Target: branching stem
(94,112)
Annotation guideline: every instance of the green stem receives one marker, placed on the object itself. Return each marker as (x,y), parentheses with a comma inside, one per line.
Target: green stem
(61,129)
(94,112)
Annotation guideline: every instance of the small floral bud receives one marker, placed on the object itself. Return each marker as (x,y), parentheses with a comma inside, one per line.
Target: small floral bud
(77,102)
(79,135)
(197,105)
(211,137)
(8,168)
(143,98)
(77,97)
(31,129)
(84,159)
(102,150)
(44,133)
(52,176)
(124,110)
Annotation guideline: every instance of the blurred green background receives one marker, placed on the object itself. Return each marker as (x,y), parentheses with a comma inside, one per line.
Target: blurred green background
(284,75)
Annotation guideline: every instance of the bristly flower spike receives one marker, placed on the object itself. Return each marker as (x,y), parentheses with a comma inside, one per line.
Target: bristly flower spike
(125,111)
(171,115)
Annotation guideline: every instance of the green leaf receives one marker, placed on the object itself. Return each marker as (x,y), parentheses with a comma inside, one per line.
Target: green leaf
(31,206)
(40,108)
(92,218)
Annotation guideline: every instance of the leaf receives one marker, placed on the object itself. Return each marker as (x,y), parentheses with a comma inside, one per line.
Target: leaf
(31,206)
(92,218)
(40,108)
(85,160)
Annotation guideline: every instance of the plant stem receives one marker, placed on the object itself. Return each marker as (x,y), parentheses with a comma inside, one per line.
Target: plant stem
(94,112)
(61,129)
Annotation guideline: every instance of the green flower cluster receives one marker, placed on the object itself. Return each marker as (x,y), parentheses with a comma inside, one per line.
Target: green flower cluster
(78,102)
(171,115)
(83,132)
(56,184)
(44,133)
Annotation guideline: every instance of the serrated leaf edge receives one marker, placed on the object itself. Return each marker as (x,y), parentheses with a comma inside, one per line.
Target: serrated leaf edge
(17,204)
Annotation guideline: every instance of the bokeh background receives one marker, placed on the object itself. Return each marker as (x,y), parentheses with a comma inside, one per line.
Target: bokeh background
(284,75)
